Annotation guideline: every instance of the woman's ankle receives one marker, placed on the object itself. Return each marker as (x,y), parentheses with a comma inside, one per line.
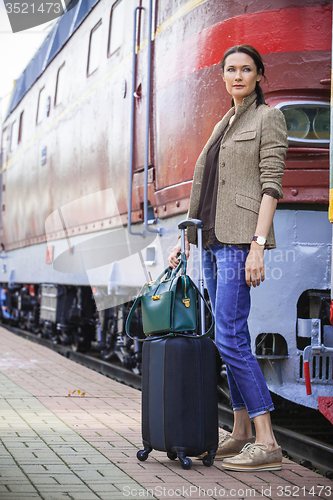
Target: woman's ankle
(271,445)
(240,436)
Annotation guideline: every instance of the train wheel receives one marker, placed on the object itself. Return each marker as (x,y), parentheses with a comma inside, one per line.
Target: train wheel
(81,346)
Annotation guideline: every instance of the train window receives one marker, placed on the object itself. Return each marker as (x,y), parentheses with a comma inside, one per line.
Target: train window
(41,105)
(117,19)
(60,86)
(308,123)
(94,48)
(4,140)
(20,130)
(13,136)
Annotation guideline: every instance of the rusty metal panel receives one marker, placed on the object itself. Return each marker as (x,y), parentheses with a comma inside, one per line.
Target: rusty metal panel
(190,95)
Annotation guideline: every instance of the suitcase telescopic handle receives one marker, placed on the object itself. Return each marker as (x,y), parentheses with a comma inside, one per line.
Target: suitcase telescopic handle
(190,222)
(199,225)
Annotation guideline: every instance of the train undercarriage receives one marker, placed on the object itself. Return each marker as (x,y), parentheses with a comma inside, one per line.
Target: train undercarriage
(67,315)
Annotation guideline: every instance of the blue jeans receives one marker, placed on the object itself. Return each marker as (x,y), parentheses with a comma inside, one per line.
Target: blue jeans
(224,272)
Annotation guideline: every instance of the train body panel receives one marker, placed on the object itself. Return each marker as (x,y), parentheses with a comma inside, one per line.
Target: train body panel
(33,264)
(65,179)
(300,264)
(50,157)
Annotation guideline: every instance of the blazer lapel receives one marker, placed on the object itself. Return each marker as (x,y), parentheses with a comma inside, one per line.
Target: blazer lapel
(198,173)
(219,128)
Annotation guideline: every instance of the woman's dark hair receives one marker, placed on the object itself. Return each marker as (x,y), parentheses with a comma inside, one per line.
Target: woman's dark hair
(254,54)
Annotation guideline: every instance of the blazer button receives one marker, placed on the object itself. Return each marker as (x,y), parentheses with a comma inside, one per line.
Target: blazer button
(223,146)
(222,164)
(223,182)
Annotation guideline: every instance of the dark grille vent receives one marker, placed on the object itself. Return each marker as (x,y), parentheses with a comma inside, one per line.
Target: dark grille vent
(321,368)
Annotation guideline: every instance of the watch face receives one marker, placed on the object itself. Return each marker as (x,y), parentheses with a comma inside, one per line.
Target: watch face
(261,240)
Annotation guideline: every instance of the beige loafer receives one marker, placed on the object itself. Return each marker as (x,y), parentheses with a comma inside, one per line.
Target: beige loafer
(229,446)
(255,457)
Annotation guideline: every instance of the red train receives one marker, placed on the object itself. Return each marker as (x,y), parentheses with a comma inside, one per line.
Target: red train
(99,146)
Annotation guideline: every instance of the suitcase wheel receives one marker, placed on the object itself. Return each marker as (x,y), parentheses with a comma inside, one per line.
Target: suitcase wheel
(208,461)
(142,455)
(171,455)
(185,462)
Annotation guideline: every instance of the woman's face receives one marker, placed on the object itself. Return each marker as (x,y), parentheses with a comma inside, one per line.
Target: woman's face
(240,76)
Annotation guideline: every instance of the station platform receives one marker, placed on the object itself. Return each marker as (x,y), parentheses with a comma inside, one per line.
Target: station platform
(67,432)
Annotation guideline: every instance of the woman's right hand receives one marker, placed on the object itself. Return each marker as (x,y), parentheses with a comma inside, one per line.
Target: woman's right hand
(173,259)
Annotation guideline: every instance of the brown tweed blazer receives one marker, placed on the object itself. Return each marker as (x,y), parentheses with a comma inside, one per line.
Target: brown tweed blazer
(251,159)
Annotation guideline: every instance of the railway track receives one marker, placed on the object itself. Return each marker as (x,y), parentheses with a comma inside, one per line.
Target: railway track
(300,448)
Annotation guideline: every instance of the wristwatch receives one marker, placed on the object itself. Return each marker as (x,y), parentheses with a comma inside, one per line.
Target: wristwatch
(260,240)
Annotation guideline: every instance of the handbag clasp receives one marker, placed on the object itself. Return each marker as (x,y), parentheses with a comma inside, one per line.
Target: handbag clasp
(156,297)
(187,302)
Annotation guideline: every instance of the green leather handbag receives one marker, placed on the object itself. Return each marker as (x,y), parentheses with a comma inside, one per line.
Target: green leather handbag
(169,305)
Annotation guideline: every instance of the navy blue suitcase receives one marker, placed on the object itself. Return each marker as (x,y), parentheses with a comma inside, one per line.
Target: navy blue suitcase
(179,396)
(179,399)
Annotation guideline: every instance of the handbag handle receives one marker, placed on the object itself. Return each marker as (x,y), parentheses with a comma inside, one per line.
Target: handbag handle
(167,270)
(172,273)
(182,264)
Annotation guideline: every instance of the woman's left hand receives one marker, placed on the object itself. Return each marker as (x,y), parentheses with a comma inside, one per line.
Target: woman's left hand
(254,265)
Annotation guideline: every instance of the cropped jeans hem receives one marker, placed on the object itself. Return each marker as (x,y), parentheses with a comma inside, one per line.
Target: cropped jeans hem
(254,414)
(261,412)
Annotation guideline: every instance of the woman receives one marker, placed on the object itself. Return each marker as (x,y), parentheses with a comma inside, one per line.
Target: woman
(236,186)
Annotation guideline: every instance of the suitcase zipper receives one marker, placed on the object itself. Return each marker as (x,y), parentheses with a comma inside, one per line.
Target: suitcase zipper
(200,393)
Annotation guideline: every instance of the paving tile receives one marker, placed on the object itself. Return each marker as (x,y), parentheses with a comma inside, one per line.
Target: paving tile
(59,489)
(73,495)
(46,469)
(17,487)
(11,472)
(111,473)
(22,496)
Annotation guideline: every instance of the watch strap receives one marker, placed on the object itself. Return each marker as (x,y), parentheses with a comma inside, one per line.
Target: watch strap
(260,240)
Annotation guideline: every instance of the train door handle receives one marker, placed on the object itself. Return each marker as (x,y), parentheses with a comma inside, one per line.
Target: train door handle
(136,95)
